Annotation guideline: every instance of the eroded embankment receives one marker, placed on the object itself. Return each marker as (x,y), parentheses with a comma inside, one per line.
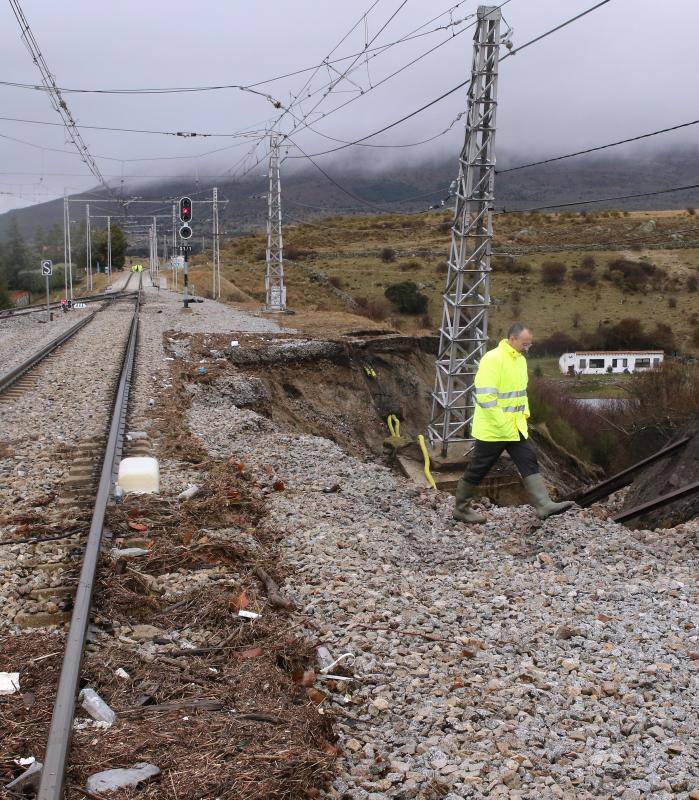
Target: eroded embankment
(345,389)
(503,660)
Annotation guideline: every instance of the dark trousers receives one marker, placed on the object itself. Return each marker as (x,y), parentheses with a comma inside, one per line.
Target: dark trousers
(485,454)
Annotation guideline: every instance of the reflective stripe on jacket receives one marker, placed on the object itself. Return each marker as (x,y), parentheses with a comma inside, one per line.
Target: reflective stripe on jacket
(500,394)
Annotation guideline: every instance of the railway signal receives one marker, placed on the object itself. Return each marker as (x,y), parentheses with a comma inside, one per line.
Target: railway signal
(185,232)
(185,211)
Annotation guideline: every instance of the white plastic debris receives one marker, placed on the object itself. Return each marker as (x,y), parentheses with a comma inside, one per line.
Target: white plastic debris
(112,779)
(139,474)
(30,777)
(247,614)
(191,491)
(24,762)
(324,657)
(96,707)
(128,552)
(235,343)
(121,673)
(9,682)
(133,436)
(347,657)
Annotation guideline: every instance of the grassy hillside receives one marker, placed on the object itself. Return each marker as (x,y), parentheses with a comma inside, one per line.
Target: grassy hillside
(343,256)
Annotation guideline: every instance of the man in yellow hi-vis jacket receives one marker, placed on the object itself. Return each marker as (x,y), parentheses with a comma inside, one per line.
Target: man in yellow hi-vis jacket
(500,423)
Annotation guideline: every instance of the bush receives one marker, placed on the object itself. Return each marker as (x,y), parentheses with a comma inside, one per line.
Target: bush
(588,262)
(409,266)
(406,297)
(691,211)
(442,268)
(293,253)
(557,344)
(583,277)
(336,281)
(553,273)
(511,265)
(633,275)
(373,309)
(446,226)
(670,391)
(629,334)
(388,255)
(692,283)
(520,267)
(672,302)
(261,255)
(695,337)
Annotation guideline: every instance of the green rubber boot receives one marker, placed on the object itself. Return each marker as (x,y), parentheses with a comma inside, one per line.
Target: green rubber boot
(462,510)
(544,505)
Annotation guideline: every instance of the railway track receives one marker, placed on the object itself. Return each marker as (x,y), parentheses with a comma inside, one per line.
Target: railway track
(38,308)
(57,748)
(20,378)
(55,544)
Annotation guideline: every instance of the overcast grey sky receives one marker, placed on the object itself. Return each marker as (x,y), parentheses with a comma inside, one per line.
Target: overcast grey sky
(627,68)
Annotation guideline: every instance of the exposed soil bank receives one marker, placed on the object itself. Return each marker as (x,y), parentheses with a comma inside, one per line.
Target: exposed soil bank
(344,390)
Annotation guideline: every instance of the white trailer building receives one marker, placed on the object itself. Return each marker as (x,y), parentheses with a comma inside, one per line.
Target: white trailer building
(601,362)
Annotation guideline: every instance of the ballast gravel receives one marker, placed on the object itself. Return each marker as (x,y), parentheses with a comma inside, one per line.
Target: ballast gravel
(21,337)
(503,660)
(40,432)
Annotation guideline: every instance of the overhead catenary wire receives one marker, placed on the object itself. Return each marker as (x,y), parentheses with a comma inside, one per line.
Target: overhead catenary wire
(332,180)
(243,86)
(460,85)
(601,199)
(57,101)
(302,125)
(598,147)
(180,134)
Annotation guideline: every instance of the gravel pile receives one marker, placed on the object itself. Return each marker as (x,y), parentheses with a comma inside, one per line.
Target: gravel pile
(507,660)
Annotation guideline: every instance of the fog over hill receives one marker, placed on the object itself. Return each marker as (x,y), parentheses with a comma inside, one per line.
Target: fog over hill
(404,187)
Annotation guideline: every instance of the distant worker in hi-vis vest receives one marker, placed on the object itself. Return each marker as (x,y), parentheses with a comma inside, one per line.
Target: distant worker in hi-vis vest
(500,423)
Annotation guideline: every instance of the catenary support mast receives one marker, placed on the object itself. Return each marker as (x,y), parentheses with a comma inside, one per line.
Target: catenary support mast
(88,248)
(464,329)
(215,248)
(274,278)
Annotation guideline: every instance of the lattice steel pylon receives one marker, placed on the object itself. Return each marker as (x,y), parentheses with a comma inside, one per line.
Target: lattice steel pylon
(274,277)
(464,329)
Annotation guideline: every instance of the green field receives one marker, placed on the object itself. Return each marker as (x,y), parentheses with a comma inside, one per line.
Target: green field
(347,250)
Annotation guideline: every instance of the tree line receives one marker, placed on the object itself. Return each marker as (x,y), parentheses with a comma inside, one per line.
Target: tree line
(20,259)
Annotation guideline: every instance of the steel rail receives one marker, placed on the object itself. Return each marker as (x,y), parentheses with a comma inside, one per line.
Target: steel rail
(657,502)
(601,490)
(25,311)
(15,374)
(58,745)
(34,308)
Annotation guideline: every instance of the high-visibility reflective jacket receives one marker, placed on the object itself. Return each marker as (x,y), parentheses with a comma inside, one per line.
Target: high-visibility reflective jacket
(500,393)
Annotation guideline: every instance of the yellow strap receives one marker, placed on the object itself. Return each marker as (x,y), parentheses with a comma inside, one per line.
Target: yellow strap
(426,456)
(393,425)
